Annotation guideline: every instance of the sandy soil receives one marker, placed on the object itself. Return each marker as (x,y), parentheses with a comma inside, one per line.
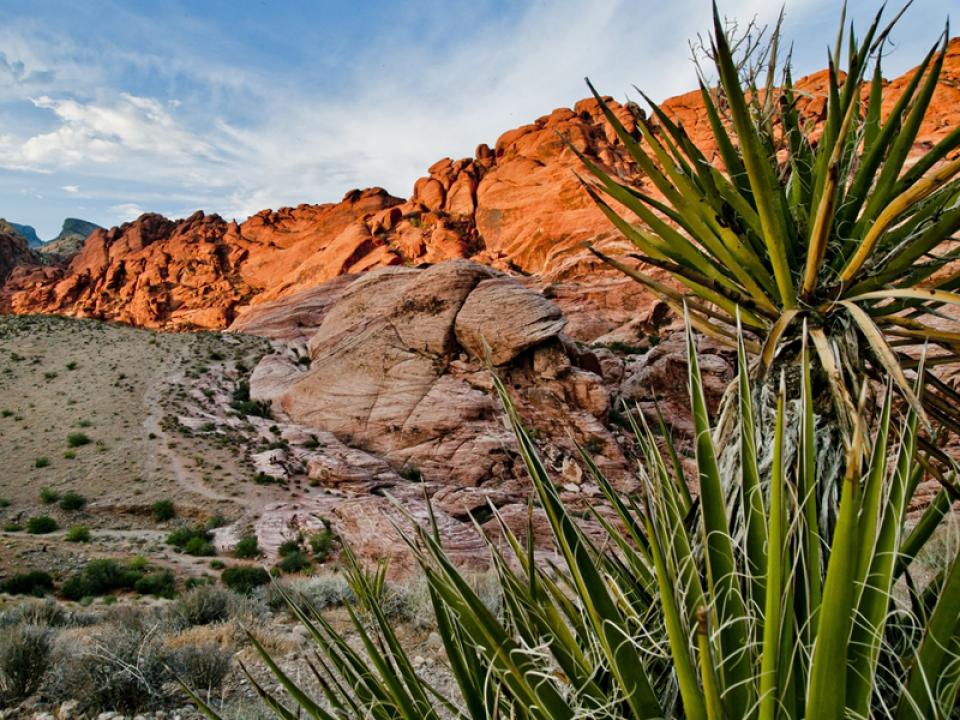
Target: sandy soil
(155,408)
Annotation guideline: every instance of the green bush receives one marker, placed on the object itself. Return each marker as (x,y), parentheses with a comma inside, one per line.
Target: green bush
(294,562)
(78,439)
(72,501)
(41,525)
(217,564)
(246,547)
(48,496)
(199,547)
(41,462)
(288,547)
(159,584)
(321,543)
(192,540)
(4,502)
(102,577)
(244,579)
(77,533)
(215,521)
(12,526)
(163,510)
(34,582)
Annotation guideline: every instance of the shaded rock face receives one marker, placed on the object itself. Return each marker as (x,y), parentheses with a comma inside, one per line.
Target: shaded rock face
(14,251)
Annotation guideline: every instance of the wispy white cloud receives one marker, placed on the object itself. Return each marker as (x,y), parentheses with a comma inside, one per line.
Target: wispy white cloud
(243,139)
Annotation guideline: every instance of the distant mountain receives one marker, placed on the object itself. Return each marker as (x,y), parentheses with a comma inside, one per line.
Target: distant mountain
(28,233)
(71,238)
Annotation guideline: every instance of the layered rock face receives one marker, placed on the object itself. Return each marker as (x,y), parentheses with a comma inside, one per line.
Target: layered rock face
(393,386)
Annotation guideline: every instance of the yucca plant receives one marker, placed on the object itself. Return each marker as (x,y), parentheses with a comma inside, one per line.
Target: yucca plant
(667,614)
(837,225)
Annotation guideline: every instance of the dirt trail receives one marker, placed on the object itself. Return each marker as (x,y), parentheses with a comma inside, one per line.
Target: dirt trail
(163,446)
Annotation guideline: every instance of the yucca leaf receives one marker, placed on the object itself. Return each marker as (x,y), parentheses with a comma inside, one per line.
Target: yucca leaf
(736,661)
(918,702)
(903,142)
(931,519)
(608,622)
(751,493)
(677,631)
(770,672)
(891,211)
(765,193)
(826,699)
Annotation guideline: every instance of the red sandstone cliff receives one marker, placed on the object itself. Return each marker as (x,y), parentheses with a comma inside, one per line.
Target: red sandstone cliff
(516,206)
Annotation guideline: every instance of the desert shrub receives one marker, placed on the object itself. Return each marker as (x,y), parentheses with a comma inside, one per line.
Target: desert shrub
(159,584)
(41,525)
(4,502)
(215,521)
(203,605)
(34,582)
(244,579)
(322,542)
(78,439)
(192,540)
(257,408)
(101,577)
(288,547)
(41,462)
(77,533)
(72,501)
(163,510)
(201,667)
(323,591)
(48,496)
(246,547)
(217,564)
(199,547)
(24,660)
(122,669)
(12,526)
(294,562)
(46,613)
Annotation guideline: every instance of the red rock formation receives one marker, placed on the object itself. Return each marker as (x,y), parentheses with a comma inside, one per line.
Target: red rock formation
(517,206)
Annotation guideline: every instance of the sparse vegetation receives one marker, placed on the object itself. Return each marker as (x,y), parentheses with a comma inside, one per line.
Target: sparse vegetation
(48,496)
(41,525)
(244,579)
(78,439)
(72,501)
(24,661)
(321,543)
(163,510)
(34,582)
(246,547)
(41,462)
(77,533)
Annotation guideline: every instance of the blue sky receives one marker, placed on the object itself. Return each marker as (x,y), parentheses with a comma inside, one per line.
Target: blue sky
(109,109)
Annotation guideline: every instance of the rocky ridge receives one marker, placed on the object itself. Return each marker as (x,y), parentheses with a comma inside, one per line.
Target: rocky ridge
(516,206)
